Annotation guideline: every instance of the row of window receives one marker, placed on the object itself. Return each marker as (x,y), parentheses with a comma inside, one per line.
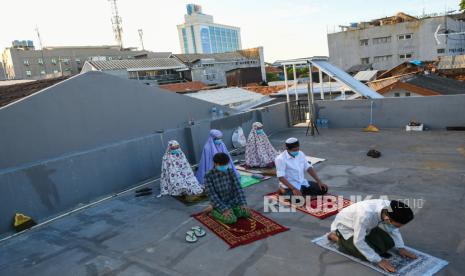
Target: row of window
(366,60)
(54,61)
(42,72)
(385,39)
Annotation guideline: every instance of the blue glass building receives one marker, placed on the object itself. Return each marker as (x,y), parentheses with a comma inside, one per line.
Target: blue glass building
(199,34)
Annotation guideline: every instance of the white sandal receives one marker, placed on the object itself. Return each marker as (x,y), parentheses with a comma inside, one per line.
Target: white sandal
(191,237)
(198,231)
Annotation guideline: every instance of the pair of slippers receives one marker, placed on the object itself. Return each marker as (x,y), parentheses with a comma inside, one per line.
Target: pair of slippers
(195,233)
(143,192)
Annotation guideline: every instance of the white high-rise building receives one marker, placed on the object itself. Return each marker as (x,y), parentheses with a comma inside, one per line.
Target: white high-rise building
(199,35)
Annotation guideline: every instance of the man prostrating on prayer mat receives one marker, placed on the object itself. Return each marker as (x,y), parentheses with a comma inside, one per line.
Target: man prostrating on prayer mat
(291,166)
(224,190)
(369,229)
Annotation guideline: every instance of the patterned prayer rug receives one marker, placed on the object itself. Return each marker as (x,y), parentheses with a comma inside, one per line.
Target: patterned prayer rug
(425,264)
(321,207)
(244,231)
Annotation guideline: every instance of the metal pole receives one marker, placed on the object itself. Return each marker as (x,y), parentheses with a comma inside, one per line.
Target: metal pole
(295,82)
(330,90)
(287,97)
(322,94)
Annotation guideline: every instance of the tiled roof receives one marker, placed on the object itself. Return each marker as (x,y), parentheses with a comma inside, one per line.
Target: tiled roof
(443,86)
(156,63)
(265,90)
(15,92)
(185,87)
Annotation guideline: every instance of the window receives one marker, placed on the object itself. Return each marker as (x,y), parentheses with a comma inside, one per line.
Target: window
(396,94)
(363,42)
(26,62)
(404,36)
(40,61)
(382,58)
(407,94)
(78,61)
(382,40)
(66,60)
(441,51)
(42,72)
(55,71)
(365,60)
(54,61)
(405,56)
(28,73)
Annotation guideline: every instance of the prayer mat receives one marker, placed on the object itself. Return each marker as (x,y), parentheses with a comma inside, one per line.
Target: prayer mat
(244,231)
(190,200)
(264,171)
(325,207)
(425,264)
(247,180)
(314,160)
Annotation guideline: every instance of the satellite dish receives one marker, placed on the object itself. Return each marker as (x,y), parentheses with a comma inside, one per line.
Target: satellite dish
(238,138)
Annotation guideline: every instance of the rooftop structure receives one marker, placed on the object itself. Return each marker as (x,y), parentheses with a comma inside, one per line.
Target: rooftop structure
(51,62)
(233,97)
(423,85)
(199,34)
(145,235)
(386,42)
(212,68)
(154,70)
(185,87)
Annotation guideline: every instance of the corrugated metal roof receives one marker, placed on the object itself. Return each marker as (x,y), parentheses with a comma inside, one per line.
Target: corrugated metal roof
(366,75)
(233,96)
(132,64)
(451,62)
(218,57)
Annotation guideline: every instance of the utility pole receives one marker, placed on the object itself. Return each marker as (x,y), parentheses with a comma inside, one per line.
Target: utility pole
(141,34)
(117,24)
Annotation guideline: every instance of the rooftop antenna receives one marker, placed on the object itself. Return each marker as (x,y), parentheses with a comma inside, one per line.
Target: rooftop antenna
(141,34)
(117,23)
(38,36)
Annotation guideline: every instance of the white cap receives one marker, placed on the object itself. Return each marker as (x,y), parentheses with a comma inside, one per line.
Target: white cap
(292,140)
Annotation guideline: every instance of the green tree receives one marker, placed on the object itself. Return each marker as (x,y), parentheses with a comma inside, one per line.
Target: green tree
(462,5)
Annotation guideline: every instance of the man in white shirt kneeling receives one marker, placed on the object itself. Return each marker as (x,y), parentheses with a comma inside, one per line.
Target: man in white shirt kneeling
(291,166)
(369,229)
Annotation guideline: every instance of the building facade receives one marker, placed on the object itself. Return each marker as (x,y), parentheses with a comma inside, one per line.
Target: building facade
(200,35)
(212,69)
(25,62)
(387,42)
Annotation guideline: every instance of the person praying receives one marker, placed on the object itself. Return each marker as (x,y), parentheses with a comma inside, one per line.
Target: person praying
(213,145)
(224,190)
(369,229)
(259,153)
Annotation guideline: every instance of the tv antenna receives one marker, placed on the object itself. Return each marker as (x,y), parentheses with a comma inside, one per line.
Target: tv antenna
(117,24)
(38,36)
(141,34)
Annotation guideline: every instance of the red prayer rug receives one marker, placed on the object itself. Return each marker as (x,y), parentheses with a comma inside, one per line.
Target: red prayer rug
(244,231)
(320,207)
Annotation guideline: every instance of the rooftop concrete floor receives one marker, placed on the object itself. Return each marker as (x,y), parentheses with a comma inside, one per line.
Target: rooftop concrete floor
(145,235)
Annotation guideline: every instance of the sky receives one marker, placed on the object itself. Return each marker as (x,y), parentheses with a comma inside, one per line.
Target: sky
(285,28)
